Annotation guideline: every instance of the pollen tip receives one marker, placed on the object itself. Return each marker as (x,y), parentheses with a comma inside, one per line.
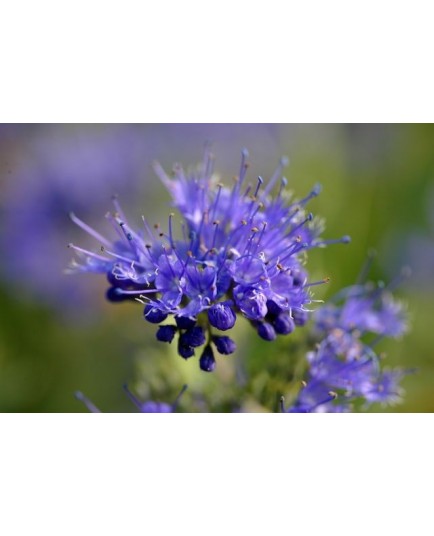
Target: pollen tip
(316,189)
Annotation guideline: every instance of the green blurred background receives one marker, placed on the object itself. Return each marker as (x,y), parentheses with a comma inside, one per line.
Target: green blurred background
(57,333)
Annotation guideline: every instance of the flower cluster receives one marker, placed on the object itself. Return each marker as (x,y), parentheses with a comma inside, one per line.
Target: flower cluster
(144,407)
(344,368)
(240,251)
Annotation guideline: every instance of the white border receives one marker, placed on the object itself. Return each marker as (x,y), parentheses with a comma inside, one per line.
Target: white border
(216,474)
(220,61)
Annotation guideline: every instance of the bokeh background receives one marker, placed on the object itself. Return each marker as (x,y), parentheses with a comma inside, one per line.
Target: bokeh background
(59,335)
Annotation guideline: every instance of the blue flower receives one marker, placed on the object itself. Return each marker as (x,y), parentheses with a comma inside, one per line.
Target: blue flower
(240,251)
(344,365)
(149,406)
(367,308)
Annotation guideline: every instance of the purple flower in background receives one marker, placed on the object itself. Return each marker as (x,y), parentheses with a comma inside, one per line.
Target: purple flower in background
(144,407)
(367,308)
(240,249)
(57,169)
(343,364)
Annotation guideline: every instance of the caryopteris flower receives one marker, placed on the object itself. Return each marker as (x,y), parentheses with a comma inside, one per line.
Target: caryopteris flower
(144,407)
(240,250)
(344,369)
(344,365)
(366,308)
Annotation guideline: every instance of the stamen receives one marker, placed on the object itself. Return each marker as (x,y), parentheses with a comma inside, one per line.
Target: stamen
(258,186)
(133,398)
(177,399)
(344,240)
(309,218)
(316,190)
(89,229)
(116,255)
(243,167)
(325,280)
(172,243)
(89,253)
(88,403)
(117,206)
(216,201)
(284,161)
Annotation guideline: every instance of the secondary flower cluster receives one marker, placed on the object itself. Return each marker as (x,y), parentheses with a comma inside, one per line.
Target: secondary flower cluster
(240,251)
(343,363)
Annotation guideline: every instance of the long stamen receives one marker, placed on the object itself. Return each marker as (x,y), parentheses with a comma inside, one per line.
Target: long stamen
(258,186)
(216,201)
(325,280)
(344,240)
(243,167)
(135,292)
(331,396)
(88,403)
(178,398)
(316,190)
(117,206)
(301,224)
(89,253)
(116,255)
(89,229)
(112,218)
(284,161)
(133,398)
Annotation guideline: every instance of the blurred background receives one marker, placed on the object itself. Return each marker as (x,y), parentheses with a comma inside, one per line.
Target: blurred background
(59,335)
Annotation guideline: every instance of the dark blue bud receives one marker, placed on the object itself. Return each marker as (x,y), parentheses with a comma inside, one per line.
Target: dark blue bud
(266,331)
(166,333)
(185,322)
(115,295)
(154,315)
(185,351)
(207,360)
(300,317)
(224,345)
(193,337)
(221,316)
(284,324)
(272,308)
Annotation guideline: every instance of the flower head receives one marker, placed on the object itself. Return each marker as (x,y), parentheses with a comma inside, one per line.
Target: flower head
(343,363)
(240,251)
(364,307)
